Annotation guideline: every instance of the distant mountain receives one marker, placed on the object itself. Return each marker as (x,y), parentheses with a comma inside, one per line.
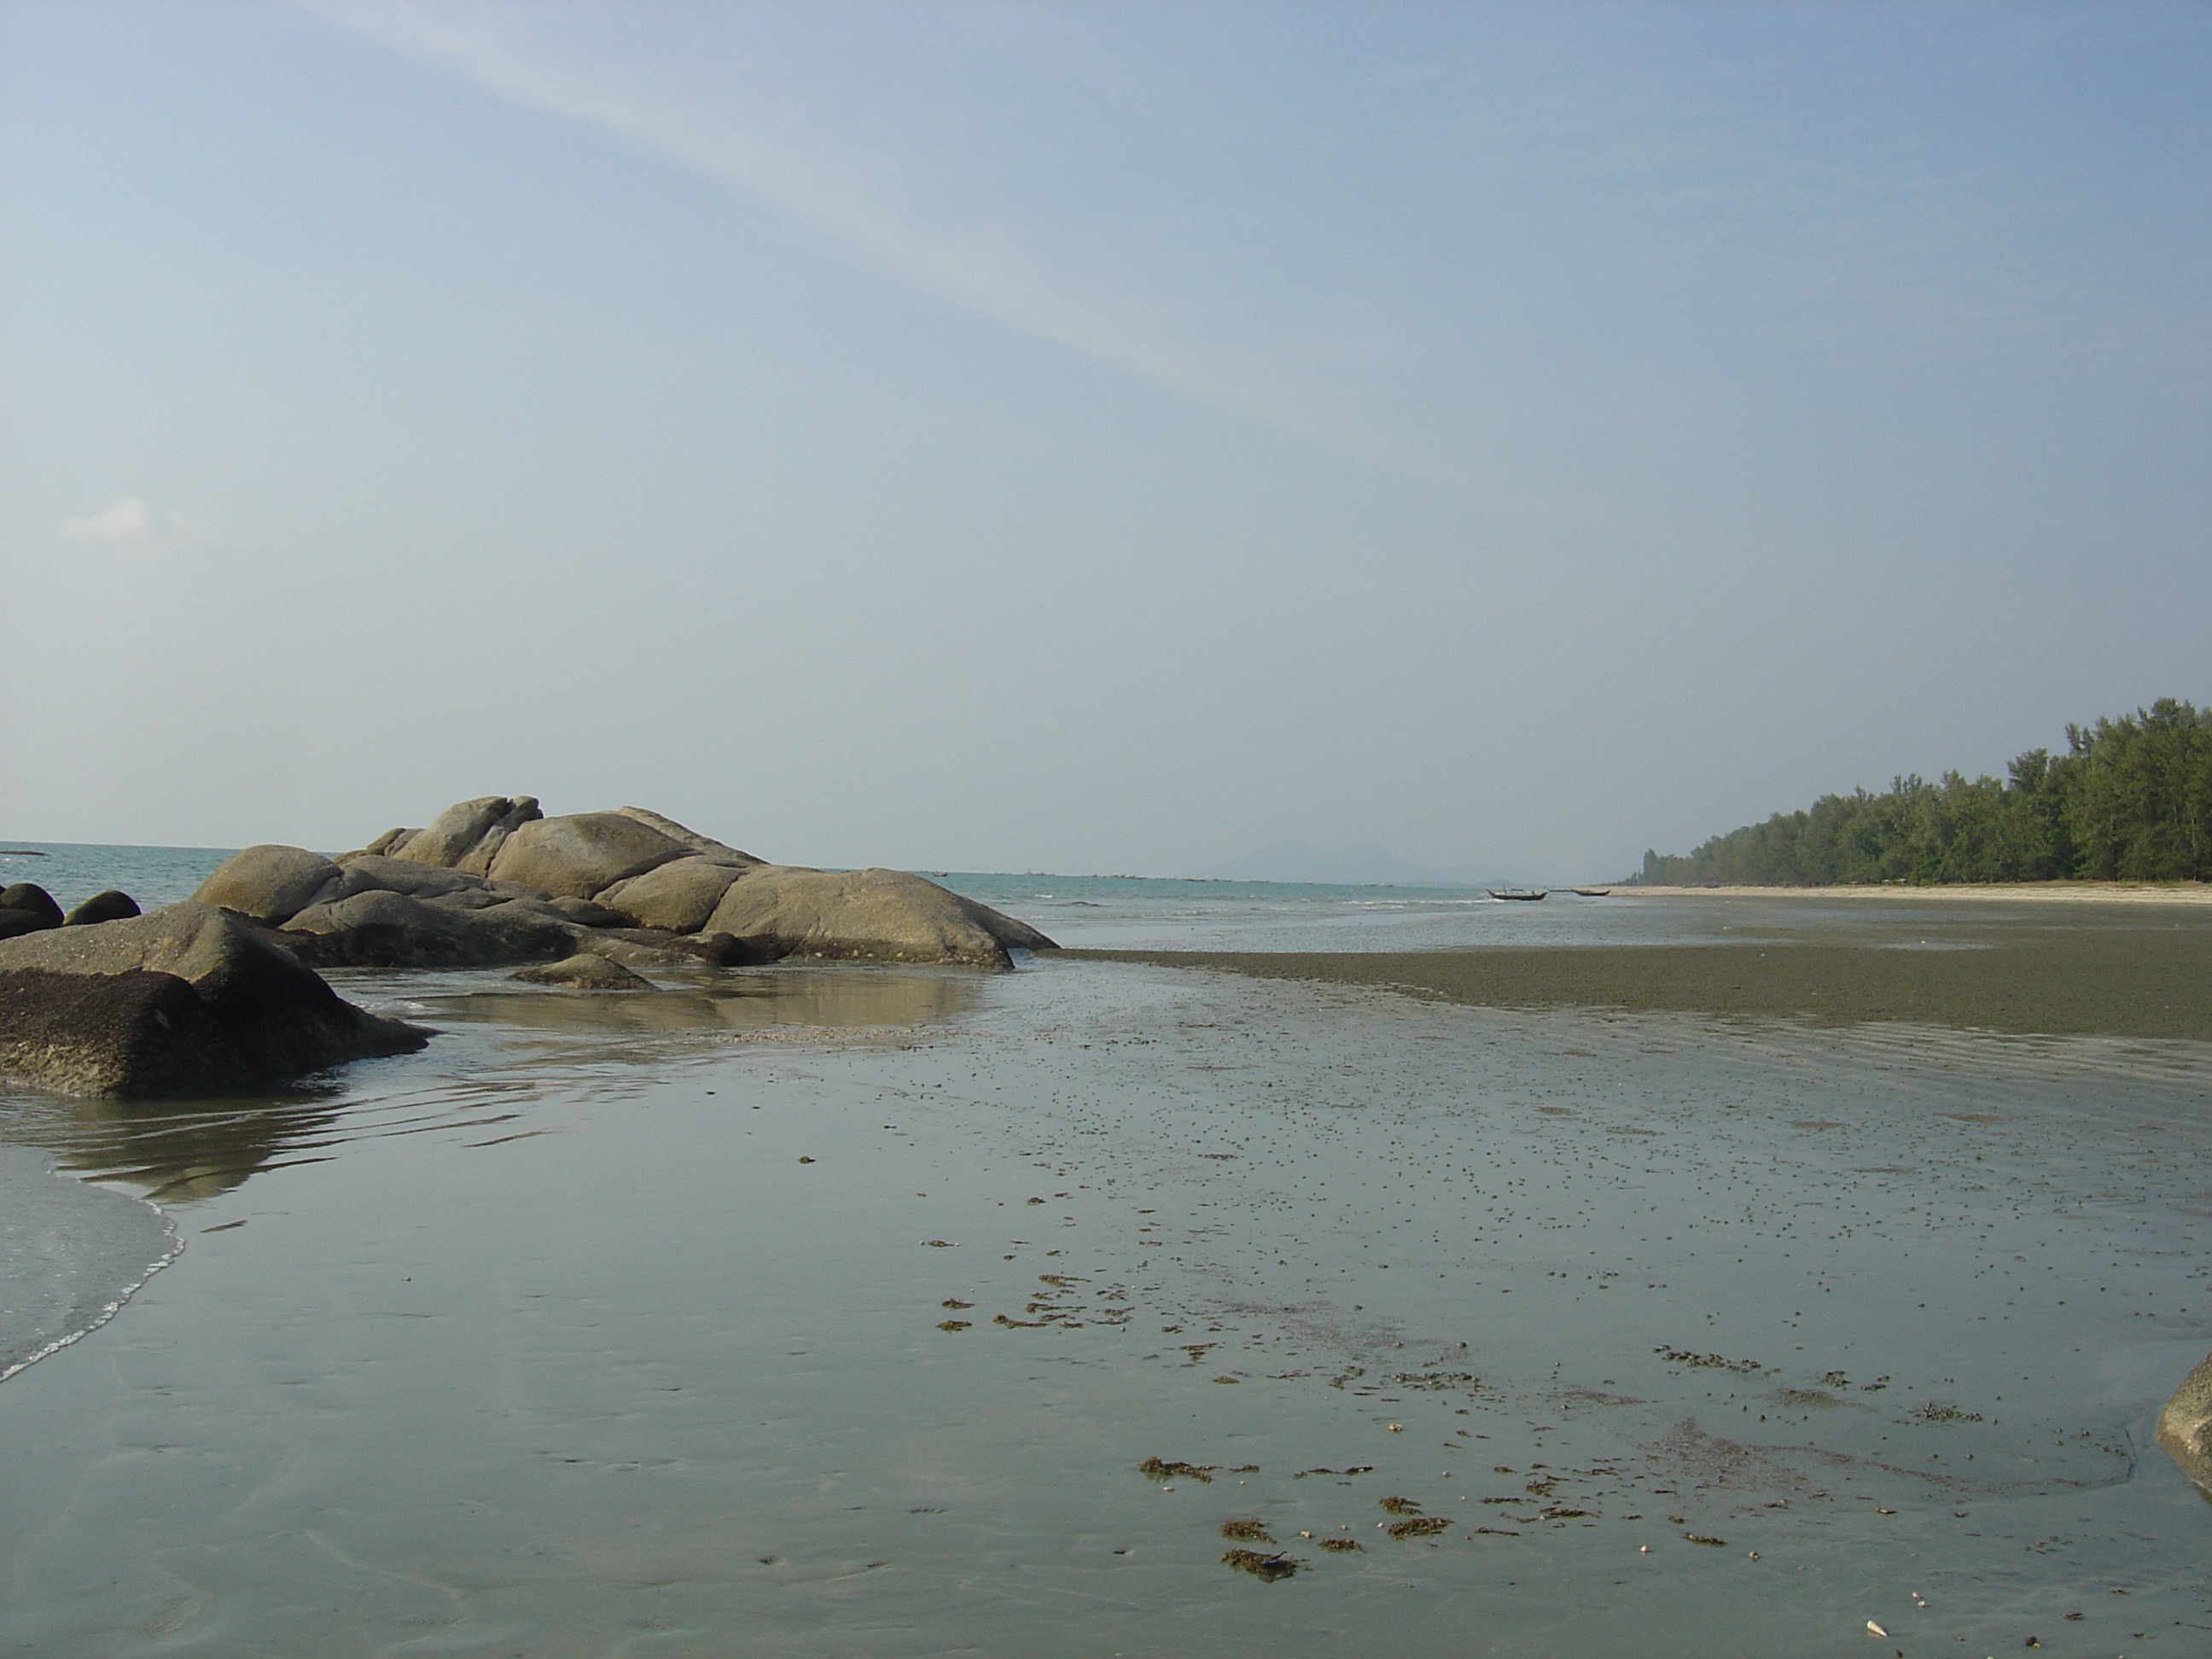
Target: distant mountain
(1364,866)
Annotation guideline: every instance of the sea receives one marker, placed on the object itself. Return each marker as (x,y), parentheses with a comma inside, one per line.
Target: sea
(1109,1309)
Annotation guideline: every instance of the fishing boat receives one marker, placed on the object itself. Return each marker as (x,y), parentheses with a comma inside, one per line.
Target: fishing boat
(1594,892)
(1523,893)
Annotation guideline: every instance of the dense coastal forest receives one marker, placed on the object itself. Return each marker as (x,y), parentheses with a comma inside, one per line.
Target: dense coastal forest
(2129,800)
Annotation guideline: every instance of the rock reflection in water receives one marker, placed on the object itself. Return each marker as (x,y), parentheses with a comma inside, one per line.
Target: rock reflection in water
(831,997)
(174,1152)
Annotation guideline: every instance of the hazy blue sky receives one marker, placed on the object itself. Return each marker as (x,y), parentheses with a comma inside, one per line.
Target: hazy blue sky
(1089,437)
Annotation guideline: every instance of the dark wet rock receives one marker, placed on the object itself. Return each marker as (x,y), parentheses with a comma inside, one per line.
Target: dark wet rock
(33,900)
(584,971)
(268,883)
(654,947)
(882,916)
(372,872)
(588,913)
(2184,1427)
(582,854)
(110,906)
(382,929)
(679,896)
(16,923)
(187,1000)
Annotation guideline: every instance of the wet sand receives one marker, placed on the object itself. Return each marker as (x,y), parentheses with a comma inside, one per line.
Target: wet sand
(845,1315)
(2127,970)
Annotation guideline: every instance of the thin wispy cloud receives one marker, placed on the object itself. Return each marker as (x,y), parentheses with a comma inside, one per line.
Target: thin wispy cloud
(988,272)
(129,528)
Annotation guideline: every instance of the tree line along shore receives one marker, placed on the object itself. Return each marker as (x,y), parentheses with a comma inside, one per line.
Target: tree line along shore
(2129,800)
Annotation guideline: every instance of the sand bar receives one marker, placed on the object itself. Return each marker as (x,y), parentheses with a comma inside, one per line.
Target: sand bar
(2118,969)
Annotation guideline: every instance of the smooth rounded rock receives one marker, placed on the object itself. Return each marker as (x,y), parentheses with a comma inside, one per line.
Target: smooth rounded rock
(582,854)
(882,916)
(679,896)
(269,882)
(29,896)
(585,971)
(110,906)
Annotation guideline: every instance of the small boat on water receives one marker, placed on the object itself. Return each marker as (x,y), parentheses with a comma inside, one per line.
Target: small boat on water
(1594,892)
(1523,893)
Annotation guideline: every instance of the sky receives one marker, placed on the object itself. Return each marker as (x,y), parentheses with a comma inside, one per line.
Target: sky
(1089,437)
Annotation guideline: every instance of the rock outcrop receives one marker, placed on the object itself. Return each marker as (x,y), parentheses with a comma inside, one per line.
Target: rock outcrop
(187,1000)
(495,882)
(2184,1427)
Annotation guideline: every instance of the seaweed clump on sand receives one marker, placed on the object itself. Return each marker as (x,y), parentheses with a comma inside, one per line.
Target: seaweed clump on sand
(1398,1506)
(1266,1568)
(1154,1468)
(1252,1532)
(1339,1545)
(1422,1526)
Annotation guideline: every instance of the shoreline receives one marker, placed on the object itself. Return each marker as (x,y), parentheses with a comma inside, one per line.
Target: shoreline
(2121,972)
(2040,892)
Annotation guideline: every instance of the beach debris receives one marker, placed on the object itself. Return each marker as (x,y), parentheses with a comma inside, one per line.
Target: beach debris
(1398,1506)
(955,1302)
(1019,1324)
(1710,1543)
(1341,1546)
(1873,1629)
(939,1245)
(1434,1381)
(1395,1428)
(1424,1526)
(1708,1361)
(1157,1468)
(806,1160)
(1252,1532)
(1935,1411)
(954,1324)
(1230,1380)
(1264,1568)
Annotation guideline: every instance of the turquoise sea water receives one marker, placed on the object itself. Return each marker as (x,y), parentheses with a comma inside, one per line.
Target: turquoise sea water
(832,1310)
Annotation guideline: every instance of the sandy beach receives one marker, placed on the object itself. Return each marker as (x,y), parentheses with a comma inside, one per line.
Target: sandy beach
(2071,968)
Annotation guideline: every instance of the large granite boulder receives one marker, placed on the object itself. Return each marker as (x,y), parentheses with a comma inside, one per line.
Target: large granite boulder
(2184,1427)
(465,836)
(187,1000)
(881,915)
(268,884)
(706,846)
(679,896)
(384,929)
(582,854)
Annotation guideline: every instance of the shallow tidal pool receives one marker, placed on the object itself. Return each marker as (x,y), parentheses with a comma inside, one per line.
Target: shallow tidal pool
(839,1311)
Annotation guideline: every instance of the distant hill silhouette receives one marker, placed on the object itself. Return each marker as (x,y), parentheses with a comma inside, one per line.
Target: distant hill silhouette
(1361,866)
